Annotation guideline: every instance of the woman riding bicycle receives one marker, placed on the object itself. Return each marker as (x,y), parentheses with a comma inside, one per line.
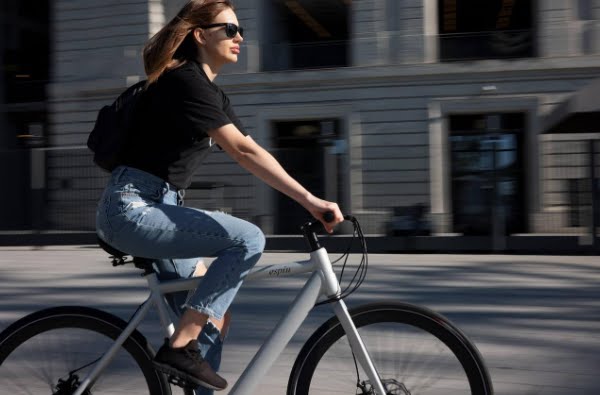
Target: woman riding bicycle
(180,116)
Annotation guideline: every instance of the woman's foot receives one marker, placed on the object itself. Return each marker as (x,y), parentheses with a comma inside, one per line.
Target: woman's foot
(187,363)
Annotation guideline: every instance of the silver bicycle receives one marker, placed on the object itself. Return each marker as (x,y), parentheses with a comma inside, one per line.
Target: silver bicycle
(379,348)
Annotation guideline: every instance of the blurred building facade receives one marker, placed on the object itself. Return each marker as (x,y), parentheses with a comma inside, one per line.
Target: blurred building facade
(389,107)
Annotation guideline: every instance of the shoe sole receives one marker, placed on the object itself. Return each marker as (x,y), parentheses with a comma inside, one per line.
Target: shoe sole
(167,369)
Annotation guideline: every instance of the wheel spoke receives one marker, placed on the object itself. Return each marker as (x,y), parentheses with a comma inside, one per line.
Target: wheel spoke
(415,352)
(54,350)
(401,354)
(37,365)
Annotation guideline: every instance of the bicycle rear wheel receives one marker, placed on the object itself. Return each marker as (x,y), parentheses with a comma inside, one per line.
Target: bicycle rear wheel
(51,352)
(415,351)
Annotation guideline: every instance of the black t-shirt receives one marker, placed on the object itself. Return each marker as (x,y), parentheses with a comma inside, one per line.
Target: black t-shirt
(169,138)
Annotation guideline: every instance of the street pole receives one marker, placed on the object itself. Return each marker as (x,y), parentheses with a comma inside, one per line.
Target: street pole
(498,215)
(595,203)
(3,127)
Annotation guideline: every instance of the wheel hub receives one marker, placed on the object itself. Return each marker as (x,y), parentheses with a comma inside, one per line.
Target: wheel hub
(68,386)
(392,387)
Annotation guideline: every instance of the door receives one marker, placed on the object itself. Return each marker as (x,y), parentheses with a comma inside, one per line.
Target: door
(487,173)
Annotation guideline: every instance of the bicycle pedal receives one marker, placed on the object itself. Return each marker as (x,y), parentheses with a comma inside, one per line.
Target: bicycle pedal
(180,382)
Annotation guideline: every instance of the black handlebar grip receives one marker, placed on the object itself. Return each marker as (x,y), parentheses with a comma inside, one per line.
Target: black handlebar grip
(328,216)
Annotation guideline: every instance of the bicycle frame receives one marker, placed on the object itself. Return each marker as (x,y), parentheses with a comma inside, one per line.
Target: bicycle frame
(322,282)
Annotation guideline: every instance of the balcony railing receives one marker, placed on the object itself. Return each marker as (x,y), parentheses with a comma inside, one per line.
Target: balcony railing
(502,44)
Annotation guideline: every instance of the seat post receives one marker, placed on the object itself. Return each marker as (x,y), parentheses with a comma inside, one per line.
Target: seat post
(145,264)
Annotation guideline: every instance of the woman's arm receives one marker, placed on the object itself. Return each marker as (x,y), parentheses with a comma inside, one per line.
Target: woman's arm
(251,156)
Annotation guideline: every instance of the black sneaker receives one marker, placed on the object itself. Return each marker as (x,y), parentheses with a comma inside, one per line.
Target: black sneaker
(187,363)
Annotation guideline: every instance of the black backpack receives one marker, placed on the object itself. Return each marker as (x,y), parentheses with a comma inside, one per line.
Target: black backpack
(112,126)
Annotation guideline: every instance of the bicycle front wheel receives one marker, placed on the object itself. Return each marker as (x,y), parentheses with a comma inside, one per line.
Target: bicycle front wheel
(52,351)
(415,351)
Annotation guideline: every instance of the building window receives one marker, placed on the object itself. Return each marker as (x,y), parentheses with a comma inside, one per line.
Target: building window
(26,51)
(26,69)
(585,10)
(312,150)
(304,34)
(580,201)
(491,29)
(488,184)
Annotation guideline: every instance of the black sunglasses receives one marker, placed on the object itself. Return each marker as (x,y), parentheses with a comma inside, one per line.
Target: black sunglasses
(231,29)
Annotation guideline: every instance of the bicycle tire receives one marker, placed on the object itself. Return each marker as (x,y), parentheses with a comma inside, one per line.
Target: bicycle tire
(32,338)
(336,371)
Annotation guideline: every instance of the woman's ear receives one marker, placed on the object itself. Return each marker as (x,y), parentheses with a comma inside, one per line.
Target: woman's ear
(199,36)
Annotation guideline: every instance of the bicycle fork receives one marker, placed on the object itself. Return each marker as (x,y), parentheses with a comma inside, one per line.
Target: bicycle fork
(358,347)
(331,287)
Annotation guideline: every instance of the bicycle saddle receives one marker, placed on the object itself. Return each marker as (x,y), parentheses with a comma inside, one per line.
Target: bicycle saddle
(110,249)
(119,258)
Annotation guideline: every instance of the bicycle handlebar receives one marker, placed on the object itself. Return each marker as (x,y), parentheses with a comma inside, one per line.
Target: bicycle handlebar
(310,229)
(328,216)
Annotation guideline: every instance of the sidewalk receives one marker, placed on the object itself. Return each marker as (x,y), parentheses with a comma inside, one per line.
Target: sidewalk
(535,319)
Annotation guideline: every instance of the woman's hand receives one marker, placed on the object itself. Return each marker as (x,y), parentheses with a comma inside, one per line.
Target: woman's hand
(318,207)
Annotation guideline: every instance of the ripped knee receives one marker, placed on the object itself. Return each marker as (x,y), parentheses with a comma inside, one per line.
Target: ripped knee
(200,268)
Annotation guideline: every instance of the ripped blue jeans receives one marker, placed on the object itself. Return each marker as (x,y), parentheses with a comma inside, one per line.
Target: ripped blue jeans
(140,214)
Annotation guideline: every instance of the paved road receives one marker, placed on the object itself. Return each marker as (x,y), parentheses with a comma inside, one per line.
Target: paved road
(535,319)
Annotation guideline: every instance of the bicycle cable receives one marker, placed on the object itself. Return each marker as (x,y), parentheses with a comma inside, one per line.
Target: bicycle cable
(361,271)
